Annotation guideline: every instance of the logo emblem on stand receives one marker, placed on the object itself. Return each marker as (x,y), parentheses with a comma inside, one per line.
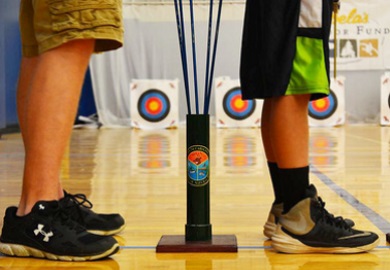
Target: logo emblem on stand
(198,165)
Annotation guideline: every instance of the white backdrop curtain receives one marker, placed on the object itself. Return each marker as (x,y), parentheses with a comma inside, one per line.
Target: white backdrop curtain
(151,51)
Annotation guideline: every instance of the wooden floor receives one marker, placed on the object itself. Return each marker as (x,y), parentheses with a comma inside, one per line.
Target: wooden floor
(141,174)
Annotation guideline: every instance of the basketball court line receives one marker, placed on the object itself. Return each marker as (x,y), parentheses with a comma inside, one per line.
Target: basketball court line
(380,222)
(239,247)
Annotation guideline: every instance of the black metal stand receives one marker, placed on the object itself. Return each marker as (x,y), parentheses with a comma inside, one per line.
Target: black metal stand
(198,227)
(198,236)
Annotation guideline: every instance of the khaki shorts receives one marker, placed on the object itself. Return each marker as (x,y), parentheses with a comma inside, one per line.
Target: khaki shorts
(47,24)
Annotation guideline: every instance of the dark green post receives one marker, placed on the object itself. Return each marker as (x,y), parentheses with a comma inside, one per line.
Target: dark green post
(198,227)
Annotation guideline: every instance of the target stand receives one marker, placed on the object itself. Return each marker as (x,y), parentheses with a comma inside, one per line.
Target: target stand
(198,232)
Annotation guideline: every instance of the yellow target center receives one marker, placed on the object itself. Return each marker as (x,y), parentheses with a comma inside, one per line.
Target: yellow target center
(153,106)
(321,103)
(239,103)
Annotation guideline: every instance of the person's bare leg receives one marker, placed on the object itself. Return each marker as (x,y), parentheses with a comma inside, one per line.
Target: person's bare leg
(269,153)
(284,131)
(266,130)
(26,73)
(290,131)
(48,95)
(289,138)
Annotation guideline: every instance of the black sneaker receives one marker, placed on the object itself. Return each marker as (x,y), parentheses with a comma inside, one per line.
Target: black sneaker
(309,228)
(79,208)
(49,232)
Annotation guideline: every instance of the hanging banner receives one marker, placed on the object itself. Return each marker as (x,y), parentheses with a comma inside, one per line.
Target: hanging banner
(363,35)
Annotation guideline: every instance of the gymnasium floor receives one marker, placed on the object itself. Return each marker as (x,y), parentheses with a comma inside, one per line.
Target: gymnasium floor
(141,174)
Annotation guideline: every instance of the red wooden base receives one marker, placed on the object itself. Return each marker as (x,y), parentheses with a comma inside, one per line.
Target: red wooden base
(177,243)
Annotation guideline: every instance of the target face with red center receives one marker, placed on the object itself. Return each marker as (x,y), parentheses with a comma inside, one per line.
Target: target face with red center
(237,108)
(153,105)
(323,108)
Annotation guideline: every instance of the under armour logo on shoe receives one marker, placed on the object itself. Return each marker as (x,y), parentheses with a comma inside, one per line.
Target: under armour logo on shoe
(46,235)
(41,207)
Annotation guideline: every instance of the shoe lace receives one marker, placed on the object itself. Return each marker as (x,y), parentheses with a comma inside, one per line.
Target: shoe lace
(74,207)
(330,218)
(61,215)
(80,200)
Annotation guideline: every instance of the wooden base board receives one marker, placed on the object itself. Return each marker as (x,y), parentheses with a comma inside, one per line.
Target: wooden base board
(178,243)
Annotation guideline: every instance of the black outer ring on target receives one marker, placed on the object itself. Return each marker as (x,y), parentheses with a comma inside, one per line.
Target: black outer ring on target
(329,113)
(233,115)
(388,101)
(163,97)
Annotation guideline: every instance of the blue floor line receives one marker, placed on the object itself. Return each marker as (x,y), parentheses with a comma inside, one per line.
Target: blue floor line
(370,214)
(137,247)
(239,247)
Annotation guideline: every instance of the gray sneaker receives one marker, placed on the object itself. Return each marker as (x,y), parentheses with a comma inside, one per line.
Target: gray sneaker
(309,228)
(273,219)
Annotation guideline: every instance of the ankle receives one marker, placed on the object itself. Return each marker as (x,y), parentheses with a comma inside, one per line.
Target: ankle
(23,210)
(27,203)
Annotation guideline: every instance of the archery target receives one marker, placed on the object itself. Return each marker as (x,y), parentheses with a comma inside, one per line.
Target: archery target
(154,104)
(385,99)
(235,107)
(231,110)
(323,108)
(329,111)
